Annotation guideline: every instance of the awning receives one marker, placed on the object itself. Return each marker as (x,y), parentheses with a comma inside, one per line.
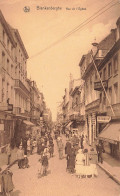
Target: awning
(111,132)
(69,124)
(28,123)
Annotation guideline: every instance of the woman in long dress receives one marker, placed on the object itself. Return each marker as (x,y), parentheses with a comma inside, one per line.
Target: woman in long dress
(79,163)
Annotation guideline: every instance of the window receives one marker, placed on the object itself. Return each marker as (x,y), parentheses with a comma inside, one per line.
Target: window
(115,93)
(110,95)
(100,97)
(12,70)
(104,74)
(115,64)
(109,69)
(95,75)
(8,65)
(101,75)
(76,100)
(7,91)
(3,59)
(3,36)
(104,99)
(8,43)
(16,59)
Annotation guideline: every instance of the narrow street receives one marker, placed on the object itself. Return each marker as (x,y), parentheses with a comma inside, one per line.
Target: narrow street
(58,182)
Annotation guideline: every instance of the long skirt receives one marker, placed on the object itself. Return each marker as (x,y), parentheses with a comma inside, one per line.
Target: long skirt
(86,170)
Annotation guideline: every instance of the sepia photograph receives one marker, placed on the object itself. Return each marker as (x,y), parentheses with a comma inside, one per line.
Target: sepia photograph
(59,98)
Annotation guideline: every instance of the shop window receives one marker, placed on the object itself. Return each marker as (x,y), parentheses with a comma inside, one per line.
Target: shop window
(109,69)
(115,64)
(100,97)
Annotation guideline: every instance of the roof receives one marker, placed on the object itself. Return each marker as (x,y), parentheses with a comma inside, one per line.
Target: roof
(111,132)
(7,29)
(110,54)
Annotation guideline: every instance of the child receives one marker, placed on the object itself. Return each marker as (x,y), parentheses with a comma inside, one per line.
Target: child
(44,162)
(25,162)
(51,149)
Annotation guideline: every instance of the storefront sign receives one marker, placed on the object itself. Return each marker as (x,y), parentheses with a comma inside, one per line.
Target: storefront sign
(98,86)
(103,119)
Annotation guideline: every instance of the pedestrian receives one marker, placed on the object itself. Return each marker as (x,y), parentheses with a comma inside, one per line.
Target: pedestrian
(25,162)
(44,162)
(8,151)
(60,148)
(71,161)
(82,139)
(1,184)
(24,142)
(51,149)
(100,151)
(8,183)
(38,146)
(93,161)
(79,164)
(67,147)
(20,157)
(28,146)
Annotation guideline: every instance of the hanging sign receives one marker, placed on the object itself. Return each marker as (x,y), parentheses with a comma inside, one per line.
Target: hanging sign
(103,119)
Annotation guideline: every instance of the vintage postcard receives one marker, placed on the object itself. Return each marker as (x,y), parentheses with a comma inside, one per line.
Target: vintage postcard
(59,97)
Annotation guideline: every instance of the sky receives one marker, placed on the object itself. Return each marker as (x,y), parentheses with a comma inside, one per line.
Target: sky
(40,28)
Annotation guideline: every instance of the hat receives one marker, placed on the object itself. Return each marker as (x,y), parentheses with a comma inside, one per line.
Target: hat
(80,151)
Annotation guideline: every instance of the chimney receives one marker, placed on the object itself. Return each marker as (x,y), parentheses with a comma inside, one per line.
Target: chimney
(118,28)
(94,47)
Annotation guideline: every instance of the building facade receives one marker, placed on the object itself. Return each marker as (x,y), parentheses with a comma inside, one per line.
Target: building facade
(88,67)
(109,108)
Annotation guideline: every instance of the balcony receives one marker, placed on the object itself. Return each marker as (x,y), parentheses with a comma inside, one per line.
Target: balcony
(77,117)
(92,105)
(16,110)
(98,86)
(20,86)
(116,109)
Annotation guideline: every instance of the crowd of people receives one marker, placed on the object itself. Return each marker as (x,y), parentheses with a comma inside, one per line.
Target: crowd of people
(80,160)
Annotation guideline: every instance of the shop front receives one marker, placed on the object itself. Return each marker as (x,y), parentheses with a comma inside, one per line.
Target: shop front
(111,138)
(6,129)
